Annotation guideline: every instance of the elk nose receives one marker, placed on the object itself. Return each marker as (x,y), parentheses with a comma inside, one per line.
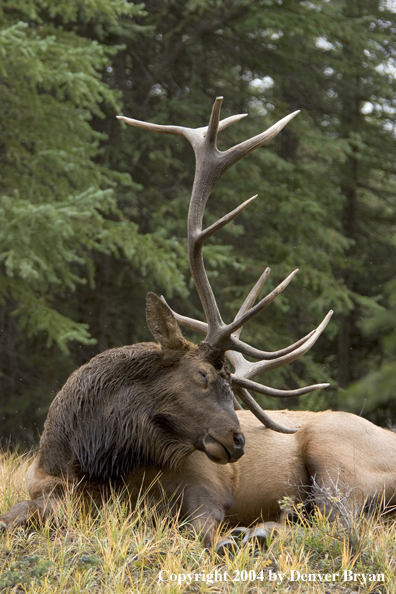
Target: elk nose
(239,447)
(239,440)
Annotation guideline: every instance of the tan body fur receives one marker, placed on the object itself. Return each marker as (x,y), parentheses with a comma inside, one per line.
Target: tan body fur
(341,451)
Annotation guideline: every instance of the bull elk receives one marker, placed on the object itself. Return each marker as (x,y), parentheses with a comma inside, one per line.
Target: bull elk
(168,407)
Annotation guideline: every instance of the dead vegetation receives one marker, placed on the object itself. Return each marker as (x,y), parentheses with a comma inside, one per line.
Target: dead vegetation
(118,550)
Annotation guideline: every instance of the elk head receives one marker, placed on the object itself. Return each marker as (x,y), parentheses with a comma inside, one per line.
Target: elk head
(196,405)
(222,338)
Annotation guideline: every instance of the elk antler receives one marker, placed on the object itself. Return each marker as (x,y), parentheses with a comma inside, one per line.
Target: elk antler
(210,166)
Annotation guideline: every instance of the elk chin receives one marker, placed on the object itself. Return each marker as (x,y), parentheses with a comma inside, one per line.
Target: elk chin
(215,451)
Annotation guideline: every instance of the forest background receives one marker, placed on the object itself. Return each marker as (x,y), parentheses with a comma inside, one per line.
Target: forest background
(93,213)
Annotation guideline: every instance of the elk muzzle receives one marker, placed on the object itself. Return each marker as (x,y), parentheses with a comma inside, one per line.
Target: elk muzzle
(228,451)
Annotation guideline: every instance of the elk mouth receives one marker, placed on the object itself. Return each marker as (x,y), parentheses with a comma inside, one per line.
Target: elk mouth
(218,453)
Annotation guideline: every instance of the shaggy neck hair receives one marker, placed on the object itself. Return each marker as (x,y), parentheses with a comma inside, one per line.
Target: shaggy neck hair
(106,421)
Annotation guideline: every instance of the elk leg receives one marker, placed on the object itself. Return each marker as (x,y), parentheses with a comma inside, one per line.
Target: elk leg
(204,511)
(45,491)
(25,511)
(260,534)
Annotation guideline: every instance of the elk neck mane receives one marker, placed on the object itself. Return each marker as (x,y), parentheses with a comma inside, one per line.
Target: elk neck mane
(105,420)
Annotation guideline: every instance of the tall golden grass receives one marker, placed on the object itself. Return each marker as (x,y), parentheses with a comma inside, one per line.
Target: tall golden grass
(117,550)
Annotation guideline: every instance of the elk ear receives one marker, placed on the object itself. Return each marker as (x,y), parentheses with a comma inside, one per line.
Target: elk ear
(162,323)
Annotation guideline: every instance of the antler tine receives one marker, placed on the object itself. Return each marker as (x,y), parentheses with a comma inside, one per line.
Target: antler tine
(242,149)
(209,231)
(261,389)
(242,347)
(242,318)
(259,413)
(301,347)
(213,126)
(160,129)
(251,298)
(189,323)
(223,124)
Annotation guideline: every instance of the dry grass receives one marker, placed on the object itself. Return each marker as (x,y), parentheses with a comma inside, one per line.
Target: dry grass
(117,551)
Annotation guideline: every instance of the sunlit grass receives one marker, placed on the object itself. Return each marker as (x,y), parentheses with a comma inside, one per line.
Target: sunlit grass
(117,550)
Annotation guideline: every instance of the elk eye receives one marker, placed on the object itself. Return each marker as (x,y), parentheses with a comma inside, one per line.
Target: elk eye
(204,377)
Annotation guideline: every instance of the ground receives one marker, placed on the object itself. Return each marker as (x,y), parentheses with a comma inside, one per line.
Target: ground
(120,551)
